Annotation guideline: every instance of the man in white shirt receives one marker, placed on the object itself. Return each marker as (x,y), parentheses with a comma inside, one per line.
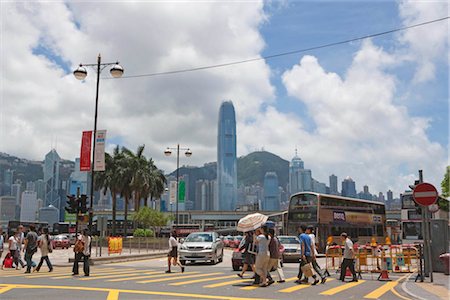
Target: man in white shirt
(348,258)
(309,231)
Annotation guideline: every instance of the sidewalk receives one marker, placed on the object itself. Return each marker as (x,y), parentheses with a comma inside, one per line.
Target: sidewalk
(64,257)
(426,290)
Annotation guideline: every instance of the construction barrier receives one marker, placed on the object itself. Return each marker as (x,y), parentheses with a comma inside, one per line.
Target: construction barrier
(372,258)
(114,245)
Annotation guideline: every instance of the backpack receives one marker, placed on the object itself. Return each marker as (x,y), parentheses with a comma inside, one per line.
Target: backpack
(79,246)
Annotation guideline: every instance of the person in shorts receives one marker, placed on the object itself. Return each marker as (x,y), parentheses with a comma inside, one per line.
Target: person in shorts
(172,256)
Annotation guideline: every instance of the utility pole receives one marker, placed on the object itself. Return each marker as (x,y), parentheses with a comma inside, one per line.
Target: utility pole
(426,235)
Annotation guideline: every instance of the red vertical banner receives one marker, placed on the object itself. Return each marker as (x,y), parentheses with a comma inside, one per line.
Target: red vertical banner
(85,157)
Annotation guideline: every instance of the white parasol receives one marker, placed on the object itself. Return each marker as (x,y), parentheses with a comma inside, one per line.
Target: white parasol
(251,222)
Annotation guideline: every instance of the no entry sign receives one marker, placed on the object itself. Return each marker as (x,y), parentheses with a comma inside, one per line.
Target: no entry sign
(425,194)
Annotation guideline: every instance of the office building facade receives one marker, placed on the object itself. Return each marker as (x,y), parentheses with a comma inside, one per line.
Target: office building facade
(226,158)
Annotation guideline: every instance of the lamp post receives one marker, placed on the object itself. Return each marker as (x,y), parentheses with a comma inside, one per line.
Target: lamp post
(80,73)
(188,153)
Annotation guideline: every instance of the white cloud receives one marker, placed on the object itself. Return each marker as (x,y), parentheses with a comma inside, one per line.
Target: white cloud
(427,45)
(364,133)
(41,104)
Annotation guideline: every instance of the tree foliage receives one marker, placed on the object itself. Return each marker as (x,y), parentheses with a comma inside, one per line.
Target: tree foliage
(150,218)
(445,185)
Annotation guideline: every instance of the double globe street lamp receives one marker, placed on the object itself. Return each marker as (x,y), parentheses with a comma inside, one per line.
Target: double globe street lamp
(188,153)
(80,73)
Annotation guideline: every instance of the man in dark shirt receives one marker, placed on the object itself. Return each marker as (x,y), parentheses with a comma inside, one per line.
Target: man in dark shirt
(30,248)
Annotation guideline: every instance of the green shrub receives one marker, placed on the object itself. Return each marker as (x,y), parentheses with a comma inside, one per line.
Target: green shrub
(143,233)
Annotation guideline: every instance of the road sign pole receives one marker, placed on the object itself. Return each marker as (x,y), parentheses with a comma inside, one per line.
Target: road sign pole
(426,235)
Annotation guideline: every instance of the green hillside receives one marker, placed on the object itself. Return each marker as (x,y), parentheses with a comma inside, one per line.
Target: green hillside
(252,168)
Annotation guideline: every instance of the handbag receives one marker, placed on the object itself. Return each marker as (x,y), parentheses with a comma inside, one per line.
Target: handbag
(307,270)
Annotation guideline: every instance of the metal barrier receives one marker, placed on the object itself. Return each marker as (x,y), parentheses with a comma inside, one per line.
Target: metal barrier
(130,245)
(375,258)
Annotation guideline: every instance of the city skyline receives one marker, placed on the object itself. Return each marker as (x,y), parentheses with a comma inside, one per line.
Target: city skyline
(371,109)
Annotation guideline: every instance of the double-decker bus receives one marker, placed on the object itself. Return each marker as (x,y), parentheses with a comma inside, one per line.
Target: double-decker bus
(13,225)
(331,215)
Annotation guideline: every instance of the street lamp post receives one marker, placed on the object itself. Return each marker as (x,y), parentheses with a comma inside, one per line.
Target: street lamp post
(80,73)
(188,153)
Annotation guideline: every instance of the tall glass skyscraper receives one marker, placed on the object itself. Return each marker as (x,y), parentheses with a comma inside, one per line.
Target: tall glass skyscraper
(226,158)
(271,192)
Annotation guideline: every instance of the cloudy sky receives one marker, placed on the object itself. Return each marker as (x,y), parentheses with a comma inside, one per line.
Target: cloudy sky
(376,109)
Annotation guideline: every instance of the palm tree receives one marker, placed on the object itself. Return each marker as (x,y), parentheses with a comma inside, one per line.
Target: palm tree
(158,181)
(110,179)
(126,173)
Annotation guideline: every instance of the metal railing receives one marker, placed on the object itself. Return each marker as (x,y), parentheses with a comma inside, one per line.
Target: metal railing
(131,246)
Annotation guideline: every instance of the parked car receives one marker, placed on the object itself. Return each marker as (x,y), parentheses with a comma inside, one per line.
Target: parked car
(227,240)
(236,241)
(237,261)
(72,238)
(291,247)
(61,241)
(202,246)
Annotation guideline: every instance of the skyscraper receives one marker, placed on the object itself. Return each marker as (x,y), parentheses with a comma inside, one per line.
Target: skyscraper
(226,158)
(348,187)
(51,178)
(300,179)
(333,185)
(29,207)
(271,192)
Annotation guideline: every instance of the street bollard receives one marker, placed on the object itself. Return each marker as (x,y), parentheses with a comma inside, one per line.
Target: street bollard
(139,245)
(146,244)
(129,244)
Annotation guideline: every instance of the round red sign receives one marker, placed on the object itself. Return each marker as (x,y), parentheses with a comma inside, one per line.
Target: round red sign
(425,194)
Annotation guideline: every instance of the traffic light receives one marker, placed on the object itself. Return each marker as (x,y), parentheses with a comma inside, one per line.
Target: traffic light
(412,187)
(72,204)
(83,204)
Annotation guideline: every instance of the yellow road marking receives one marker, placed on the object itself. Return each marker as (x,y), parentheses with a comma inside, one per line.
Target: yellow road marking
(20,273)
(202,280)
(181,277)
(6,288)
(381,290)
(255,286)
(227,283)
(113,295)
(299,287)
(117,275)
(97,274)
(343,287)
(151,276)
(56,273)
(171,294)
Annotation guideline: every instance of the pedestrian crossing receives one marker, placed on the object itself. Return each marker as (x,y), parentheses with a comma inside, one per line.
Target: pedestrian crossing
(202,280)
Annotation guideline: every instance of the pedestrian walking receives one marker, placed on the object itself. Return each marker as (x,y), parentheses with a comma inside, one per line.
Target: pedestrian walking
(274,263)
(82,251)
(315,265)
(172,256)
(14,248)
(45,245)
(21,237)
(306,256)
(30,248)
(248,256)
(262,240)
(348,258)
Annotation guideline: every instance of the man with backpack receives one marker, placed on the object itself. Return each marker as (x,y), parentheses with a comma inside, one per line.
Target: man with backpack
(82,251)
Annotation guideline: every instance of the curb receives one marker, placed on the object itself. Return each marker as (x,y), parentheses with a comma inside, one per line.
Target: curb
(413,295)
(114,259)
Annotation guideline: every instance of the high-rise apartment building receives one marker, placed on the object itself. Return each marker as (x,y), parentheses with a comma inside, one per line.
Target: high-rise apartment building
(16,192)
(333,185)
(390,196)
(226,158)
(205,191)
(7,208)
(271,192)
(348,188)
(40,189)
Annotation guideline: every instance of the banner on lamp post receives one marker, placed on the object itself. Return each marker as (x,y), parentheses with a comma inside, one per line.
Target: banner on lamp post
(182,191)
(85,155)
(99,155)
(172,191)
